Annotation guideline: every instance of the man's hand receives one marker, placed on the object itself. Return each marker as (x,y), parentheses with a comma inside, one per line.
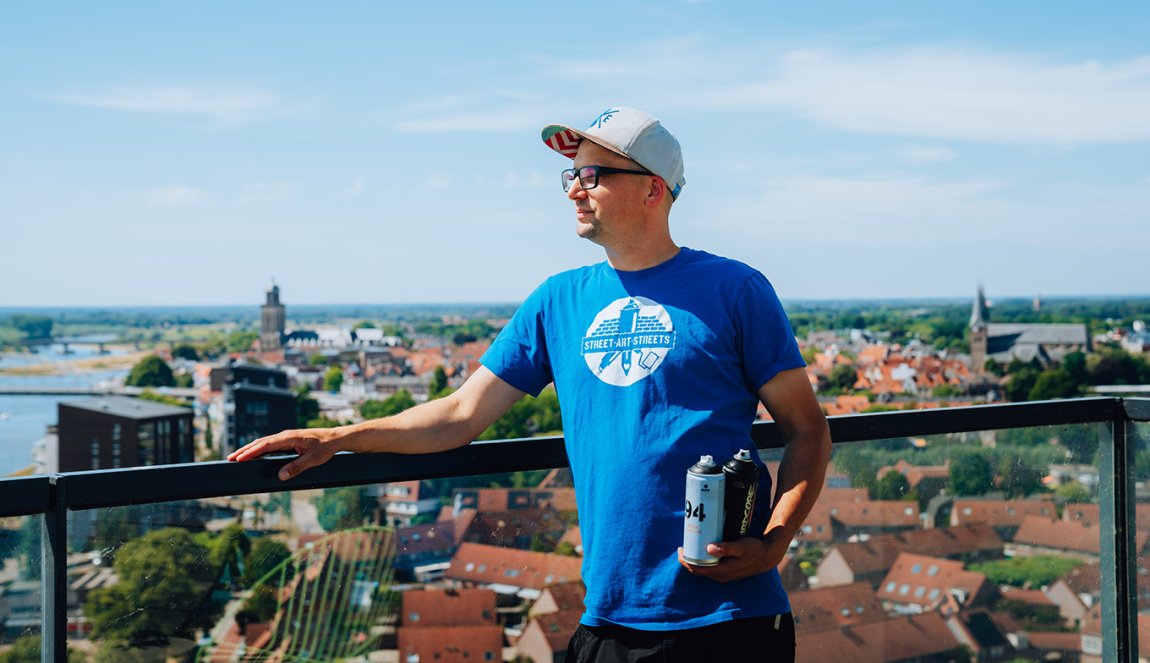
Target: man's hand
(746,557)
(315,446)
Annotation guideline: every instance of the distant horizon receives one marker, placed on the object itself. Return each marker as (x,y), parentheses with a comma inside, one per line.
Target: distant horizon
(7,310)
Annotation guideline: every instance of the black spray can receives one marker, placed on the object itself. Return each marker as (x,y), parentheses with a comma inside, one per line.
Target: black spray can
(741,490)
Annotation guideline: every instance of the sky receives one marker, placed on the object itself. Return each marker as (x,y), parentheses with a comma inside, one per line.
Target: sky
(377,152)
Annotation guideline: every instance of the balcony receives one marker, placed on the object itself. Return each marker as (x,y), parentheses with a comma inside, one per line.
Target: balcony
(331,600)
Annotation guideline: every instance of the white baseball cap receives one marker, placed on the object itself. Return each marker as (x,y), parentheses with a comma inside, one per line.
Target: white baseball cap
(630,133)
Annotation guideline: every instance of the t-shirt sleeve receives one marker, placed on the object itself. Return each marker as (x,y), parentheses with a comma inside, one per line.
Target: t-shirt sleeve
(766,340)
(519,355)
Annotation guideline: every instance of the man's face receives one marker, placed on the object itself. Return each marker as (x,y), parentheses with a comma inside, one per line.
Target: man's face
(601,213)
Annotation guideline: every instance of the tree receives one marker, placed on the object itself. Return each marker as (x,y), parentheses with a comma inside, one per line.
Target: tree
(164,579)
(1017,479)
(971,474)
(306,407)
(892,486)
(1054,383)
(241,341)
(1072,493)
(185,351)
(1020,382)
(1075,364)
(342,508)
(35,327)
(842,377)
(151,371)
(394,404)
(333,379)
(438,383)
(29,549)
(265,555)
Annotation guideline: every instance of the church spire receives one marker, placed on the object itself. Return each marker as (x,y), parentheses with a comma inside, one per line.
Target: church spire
(980,312)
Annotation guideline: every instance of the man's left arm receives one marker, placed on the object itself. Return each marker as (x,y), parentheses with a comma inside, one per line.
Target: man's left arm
(791,401)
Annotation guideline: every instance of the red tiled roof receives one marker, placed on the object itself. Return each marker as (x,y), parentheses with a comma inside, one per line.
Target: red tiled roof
(999,513)
(460,607)
(835,607)
(879,552)
(452,644)
(928,581)
(896,639)
(557,627)
(481,563)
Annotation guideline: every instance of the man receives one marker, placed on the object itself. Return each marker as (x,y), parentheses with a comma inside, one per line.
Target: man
(659,355)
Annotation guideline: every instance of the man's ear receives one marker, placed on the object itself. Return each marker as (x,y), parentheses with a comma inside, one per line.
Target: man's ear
(656,192)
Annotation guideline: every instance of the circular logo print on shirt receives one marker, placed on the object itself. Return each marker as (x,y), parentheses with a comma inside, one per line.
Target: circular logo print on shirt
(628,340)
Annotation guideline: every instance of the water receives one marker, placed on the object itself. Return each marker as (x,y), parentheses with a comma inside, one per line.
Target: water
(24,419)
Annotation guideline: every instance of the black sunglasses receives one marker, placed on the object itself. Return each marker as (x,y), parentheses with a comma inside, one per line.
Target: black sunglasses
(589,175)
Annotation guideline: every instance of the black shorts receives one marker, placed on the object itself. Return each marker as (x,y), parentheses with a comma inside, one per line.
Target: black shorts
(765,639)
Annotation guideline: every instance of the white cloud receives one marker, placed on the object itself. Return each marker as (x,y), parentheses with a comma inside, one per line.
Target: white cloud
(356,185)
(924,155)
(436,182)
(225,105)
(955,94)
(178,196)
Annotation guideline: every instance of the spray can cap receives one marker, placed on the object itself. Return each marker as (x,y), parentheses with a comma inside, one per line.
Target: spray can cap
(744,454)
(706,460)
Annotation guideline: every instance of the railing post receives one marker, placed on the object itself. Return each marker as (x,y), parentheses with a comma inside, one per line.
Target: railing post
(54,571)
(1119,564)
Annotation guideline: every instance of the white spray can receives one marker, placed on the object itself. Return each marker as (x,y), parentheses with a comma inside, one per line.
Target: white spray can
(703,516)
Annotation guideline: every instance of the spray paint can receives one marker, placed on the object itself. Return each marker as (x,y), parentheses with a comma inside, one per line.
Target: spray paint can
(703,517)
(741,489)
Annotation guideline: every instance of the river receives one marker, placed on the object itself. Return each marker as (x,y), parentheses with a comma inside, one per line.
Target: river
(24,419)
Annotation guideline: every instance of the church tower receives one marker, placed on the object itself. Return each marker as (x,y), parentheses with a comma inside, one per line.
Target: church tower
(979,321)
(272,319)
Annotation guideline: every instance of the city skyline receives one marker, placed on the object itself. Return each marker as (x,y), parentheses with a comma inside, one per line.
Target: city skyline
(182,155)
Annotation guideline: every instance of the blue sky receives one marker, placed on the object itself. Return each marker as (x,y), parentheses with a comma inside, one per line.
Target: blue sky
(371,152)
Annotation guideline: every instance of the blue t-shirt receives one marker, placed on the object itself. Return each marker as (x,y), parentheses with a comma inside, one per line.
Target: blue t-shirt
(653,369)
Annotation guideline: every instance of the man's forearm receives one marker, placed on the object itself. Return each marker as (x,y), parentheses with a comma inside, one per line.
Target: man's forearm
(800,479)
(431,427)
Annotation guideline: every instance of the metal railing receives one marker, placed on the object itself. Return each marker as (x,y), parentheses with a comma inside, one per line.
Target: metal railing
(53,496)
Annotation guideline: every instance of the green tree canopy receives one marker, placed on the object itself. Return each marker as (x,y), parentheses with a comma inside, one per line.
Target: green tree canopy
(1054,383)
(266,554)
(394,404)
(35,327)
(164,579)
(971,474)
(185,351)
(842,377)
(151,371)
(438,382)
(892,486)
(342,508)
(333,378)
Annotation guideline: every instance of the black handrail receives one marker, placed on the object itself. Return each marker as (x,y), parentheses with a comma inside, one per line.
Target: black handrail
(56,494)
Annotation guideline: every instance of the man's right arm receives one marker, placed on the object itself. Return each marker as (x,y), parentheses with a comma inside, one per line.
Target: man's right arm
(439,425)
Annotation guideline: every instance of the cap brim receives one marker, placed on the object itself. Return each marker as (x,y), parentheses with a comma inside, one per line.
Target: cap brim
(565,141)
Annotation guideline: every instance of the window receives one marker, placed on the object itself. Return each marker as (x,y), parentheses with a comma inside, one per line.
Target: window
(483,568)
(919,592)
(933,570)
(859,609)
(470,566)
(904,590)
(917,568)
(933,594)
(890,586)
(967,511)
(908,511)
(413,617)
(845,612)
(95,453)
